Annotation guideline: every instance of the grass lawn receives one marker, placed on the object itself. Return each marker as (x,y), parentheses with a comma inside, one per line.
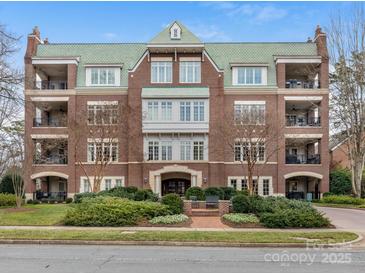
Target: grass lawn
(181,236)
(42,214)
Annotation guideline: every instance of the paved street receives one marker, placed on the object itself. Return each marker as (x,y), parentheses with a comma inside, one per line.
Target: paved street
(353,219)
(63,258)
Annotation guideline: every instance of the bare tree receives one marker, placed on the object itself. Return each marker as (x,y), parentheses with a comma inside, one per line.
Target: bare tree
(14,147)
(251,138)
(347,49)
(99,134)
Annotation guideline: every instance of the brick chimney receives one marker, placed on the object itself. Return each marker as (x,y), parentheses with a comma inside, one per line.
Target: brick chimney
(320,38)
(34,39)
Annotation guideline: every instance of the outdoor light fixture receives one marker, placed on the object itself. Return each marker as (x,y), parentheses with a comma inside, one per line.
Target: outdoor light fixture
(205,180)
(145,180)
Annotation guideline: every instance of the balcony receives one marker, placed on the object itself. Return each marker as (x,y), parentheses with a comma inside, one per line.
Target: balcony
(302,151)
(303,113)
(50,152)
(302,76)
(51,85)
(50,114)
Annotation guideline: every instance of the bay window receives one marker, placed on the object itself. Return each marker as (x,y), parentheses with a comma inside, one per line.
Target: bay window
(256,151)
(103,114)
(102,76)
(102,151)
(247,113)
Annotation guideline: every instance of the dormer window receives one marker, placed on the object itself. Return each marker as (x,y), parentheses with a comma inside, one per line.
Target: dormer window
(175,32)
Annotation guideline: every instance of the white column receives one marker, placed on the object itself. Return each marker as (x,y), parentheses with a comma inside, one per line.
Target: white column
(194,180)
(158,185)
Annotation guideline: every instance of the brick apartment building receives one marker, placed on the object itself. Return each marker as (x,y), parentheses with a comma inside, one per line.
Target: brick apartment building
(177,89)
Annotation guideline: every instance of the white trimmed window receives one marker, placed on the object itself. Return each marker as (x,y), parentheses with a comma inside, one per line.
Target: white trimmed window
(161,72)
(249,113)
(166,110)
(262,185)
(198,111)
(190,71)
(119,183)
(103,114)
(102,76)
(166,150)
(198,151)
(152,110)
(185,150)
(185,111)
(249,75)
(108,150)
(108,184)
(256,150)
(153,151)
(87,185)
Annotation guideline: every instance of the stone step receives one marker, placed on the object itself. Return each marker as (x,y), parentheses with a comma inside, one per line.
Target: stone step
(205,212)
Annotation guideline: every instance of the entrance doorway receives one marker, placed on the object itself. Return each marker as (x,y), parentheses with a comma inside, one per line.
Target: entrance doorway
(178,186)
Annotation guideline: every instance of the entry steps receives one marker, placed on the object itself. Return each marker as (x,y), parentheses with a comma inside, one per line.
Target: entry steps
(205,212)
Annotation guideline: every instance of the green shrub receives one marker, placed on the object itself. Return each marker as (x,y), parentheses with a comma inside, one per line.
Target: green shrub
(121,192)
(340,182)
(52,201)
(325,194)
(342,199)
(241,204)
(240,218)
(214,191)
(68,200)
(169,219)
(112,211)
(30,201)
(284,218)
(145,195)
(229,192)
(6,184)
(174,202)
(195,191)
(7,199)
(80,196)
(131,189)
(36,202)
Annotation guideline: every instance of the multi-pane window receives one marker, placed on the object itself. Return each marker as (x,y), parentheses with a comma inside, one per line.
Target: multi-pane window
(103,114)
(185,150)
(152,110)
(118,183)
(199,150)
(185,109)
(103,76)
(244,184)
(248,75)
(265,187)
(198,111)
(253,114)
(108,184)
(190,72)
(255,150)
(102,152)
(161,72)
(166,150)
(166,111)
(153,150)
(87,185)
(233,183)
(255,186)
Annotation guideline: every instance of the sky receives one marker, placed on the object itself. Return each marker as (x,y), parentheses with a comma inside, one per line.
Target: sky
(113,22)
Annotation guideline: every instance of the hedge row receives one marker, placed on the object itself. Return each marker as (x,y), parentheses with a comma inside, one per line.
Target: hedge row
(7,199)
(113,211)
(224,193)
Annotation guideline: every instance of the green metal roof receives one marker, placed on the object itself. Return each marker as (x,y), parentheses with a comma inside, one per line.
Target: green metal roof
(126,54)
(187,37)
(223,54)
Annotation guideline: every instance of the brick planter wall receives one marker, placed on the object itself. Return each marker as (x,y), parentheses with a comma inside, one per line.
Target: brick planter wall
(187,208)
(223,207)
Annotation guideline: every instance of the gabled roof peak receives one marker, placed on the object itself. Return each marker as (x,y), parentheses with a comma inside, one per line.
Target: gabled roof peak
(175,33)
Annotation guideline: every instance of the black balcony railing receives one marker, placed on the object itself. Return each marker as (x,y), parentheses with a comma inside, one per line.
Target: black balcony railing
(50,122)
(43,195)
(309,122)
(51,160)
(293,83)
(47,85)
(302,159)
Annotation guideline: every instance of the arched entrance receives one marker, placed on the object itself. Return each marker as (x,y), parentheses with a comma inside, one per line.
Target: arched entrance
(301,185)
(175,182)
(50,186)
(174,179)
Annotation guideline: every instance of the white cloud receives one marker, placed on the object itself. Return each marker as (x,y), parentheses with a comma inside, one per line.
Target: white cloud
(209,33)
(255,13)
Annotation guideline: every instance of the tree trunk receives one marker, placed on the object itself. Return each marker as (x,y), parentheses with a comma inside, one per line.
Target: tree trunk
(18,201)
(357,170)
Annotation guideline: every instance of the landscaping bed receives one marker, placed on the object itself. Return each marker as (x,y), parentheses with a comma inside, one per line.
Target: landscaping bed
(202,237)
(178,220)
(239,220)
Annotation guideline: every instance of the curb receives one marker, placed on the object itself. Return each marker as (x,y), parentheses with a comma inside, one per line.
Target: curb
(172,243)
